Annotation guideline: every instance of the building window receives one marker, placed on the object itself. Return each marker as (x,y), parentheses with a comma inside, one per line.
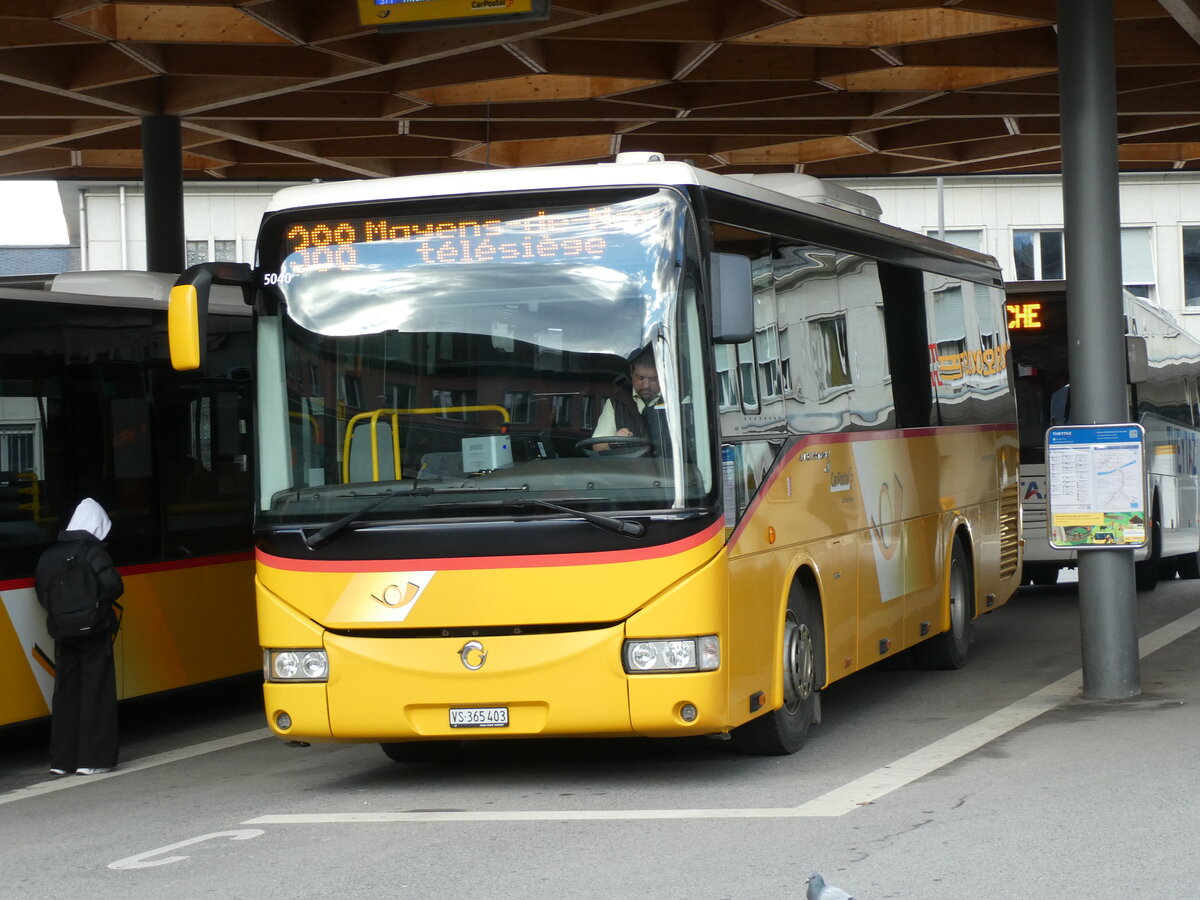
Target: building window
(197,252)
(451,403)
(967,238)
(16,449)
(831,351)
(726,388)
(785,360)
(747,380)
(398,396)
(950,333)
(209,249)
(1137,261)
(560,405)
(767,345)
(519,405)
(354,392)
(1191,267)
(1038,255)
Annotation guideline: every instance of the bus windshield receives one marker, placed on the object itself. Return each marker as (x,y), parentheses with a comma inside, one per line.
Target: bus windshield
(546,349)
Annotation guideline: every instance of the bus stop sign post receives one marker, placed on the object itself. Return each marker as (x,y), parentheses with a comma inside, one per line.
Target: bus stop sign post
(1097,477)
(1095,331)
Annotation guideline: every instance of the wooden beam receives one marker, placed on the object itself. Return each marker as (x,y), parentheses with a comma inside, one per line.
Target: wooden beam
(886,29)
(160,23)
(528,88)
(542,152)
(930,78)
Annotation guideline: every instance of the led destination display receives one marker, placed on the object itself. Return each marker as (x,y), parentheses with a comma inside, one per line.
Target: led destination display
(530,235)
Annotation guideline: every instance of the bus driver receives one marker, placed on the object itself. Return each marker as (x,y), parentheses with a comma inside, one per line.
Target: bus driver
(642,418)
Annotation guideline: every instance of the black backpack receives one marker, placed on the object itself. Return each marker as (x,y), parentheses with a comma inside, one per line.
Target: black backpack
(68,589)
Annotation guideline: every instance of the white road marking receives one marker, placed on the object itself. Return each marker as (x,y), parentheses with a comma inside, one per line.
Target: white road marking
(858,793)
(66,782)
(144,860)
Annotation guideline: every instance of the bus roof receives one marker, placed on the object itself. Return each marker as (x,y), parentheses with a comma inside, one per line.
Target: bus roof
(113,288)
(792,191)
(628,169)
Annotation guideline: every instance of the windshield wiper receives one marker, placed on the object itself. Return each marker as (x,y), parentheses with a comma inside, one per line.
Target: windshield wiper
(620,526)
(326,533)
(608,523)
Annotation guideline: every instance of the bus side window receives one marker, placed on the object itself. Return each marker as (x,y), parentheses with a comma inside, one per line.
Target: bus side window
(907,346)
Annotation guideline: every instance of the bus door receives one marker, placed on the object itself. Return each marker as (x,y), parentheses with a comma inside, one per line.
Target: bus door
(886,482)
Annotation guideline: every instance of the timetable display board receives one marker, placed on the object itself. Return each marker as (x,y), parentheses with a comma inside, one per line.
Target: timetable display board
(1097,479)
(405,15)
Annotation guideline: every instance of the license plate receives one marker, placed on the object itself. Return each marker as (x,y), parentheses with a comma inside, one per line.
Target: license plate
(479,717)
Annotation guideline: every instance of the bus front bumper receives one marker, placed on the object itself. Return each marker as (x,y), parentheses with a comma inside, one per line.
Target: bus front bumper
(560,684)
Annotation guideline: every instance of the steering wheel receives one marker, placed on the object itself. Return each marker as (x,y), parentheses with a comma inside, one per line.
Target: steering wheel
(615,446)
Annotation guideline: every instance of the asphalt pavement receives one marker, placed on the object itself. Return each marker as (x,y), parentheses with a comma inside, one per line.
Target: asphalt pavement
(997,781)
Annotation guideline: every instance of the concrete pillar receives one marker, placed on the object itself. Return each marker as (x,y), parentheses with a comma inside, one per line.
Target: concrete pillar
(162,166)
(1096,330)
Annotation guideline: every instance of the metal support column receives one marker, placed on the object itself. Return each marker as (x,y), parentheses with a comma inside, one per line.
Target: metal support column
(162,167)
(1096,351)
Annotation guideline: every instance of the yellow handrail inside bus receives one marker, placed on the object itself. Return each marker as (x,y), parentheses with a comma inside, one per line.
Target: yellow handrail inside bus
(395,416)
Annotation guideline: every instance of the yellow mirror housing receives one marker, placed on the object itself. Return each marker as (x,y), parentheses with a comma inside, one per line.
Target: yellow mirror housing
(183,327)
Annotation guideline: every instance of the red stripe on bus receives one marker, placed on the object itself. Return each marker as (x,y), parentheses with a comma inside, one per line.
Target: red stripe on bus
(338,566)
(149,568)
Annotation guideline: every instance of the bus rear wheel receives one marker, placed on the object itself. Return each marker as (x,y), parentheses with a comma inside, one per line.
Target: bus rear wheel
(784,730)
(948,650)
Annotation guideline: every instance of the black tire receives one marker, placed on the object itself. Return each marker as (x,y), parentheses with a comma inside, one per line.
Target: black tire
(1146,572)
(784,730)
(1188,565)
(948,650)
(420,751)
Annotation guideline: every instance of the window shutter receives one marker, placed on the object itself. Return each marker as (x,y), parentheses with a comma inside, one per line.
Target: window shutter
(949,324)
(1137,262)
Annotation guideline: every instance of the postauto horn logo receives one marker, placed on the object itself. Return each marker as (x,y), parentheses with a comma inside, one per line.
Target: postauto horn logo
(473,655)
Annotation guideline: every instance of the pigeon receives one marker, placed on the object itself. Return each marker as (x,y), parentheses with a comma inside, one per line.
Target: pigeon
(819,890)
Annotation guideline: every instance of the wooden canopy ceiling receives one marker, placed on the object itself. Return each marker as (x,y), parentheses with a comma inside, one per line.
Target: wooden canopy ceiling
(298,89)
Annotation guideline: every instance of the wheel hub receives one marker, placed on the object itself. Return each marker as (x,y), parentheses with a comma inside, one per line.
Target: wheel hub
(797,662)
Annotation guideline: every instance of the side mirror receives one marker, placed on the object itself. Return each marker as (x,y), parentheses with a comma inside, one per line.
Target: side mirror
(187,309)
(730,281)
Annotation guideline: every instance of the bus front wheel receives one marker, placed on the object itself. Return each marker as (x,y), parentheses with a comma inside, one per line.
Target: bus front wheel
(1146,572)
(784,730)
(1188,565)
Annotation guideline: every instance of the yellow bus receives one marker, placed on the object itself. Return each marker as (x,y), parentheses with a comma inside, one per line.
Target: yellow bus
(455,540)
(91,407)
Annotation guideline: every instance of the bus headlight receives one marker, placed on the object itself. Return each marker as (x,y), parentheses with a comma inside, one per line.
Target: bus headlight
(297,665)
(690,654)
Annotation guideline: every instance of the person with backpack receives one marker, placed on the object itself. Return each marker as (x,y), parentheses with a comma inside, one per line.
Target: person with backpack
(78,585)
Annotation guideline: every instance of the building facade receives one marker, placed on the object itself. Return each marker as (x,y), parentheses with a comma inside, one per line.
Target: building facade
(1019,220)
(1016,218)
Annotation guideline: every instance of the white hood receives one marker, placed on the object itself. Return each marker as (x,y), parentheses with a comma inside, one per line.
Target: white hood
(90,516)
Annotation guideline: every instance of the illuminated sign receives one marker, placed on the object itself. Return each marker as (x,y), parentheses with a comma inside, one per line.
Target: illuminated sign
(524,236)
(1025,316)
(404,15)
